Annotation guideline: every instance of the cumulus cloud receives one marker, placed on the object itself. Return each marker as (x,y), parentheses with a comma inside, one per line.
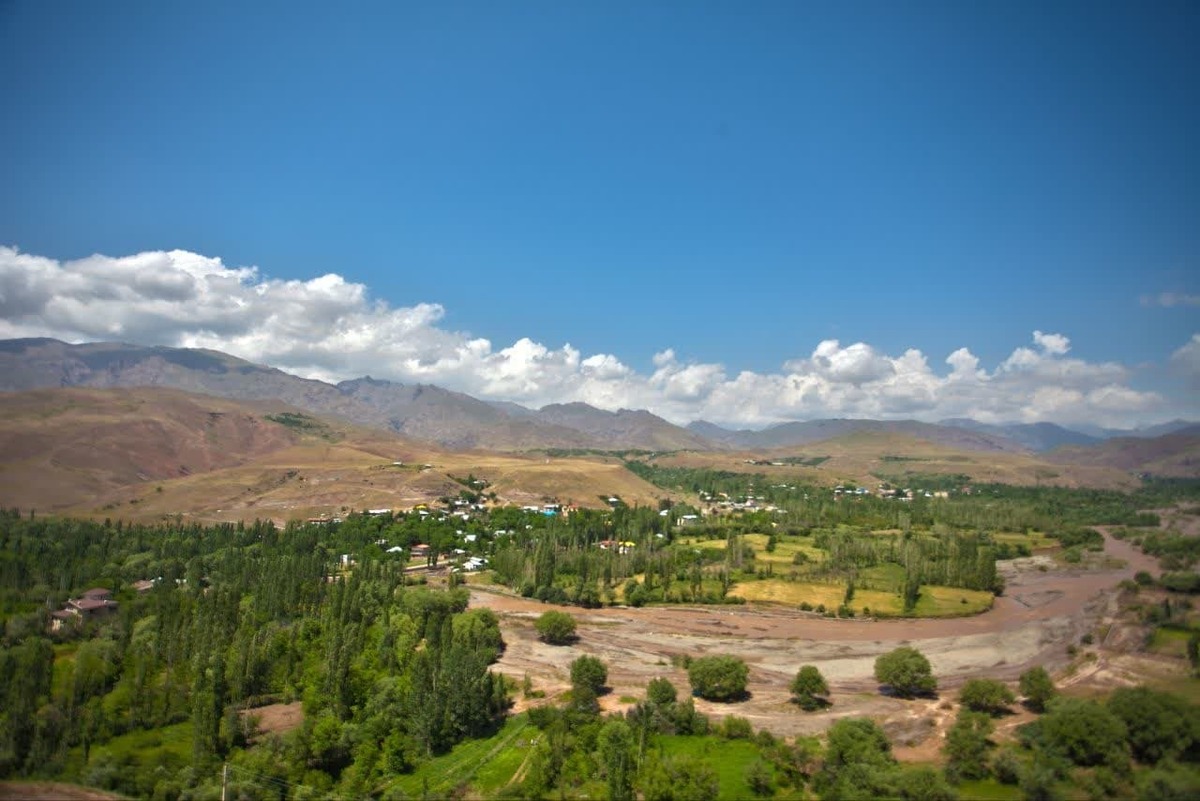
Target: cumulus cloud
(331,329)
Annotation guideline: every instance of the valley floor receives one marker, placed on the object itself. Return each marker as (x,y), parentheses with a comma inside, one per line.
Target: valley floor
(1044,609)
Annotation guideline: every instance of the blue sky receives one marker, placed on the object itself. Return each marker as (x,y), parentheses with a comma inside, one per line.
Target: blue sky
(736,182)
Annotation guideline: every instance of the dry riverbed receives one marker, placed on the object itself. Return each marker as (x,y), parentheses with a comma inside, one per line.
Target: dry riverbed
(1044,609)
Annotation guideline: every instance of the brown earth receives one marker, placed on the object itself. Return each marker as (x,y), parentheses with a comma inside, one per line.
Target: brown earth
(1041,612)
(859,458)
(152,453)
(276,718)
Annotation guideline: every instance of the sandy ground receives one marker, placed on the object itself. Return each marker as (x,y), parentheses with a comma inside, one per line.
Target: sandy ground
(1044,609)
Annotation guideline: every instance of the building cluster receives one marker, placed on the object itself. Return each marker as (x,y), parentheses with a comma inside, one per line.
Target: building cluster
(94,604)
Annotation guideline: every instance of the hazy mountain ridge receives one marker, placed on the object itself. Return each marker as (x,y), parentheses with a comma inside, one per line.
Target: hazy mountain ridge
(625,428)
(420,411)
(1037,437)
(1176,454)
(788,435)
(459,421)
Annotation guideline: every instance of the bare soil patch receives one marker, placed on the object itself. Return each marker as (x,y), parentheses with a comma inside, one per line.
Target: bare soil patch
(277,718)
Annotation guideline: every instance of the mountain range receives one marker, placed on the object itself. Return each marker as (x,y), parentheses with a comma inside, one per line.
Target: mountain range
(458,421)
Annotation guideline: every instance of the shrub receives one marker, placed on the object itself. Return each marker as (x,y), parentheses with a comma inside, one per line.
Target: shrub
(760,778)
(986,695)
(555,628)
(1181,582)
(660,692)
(966,746)
(718,678)
(1037,687)
(1007,767)
(735,728)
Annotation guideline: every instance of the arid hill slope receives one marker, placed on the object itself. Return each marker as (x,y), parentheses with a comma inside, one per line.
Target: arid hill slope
(149,453)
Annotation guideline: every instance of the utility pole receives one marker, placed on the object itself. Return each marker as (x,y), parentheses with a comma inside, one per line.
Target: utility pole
(224,779)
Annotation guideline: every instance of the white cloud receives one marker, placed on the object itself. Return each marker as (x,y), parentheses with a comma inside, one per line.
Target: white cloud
(1055,344)
(1169,299)
(329,328)
(1186,361)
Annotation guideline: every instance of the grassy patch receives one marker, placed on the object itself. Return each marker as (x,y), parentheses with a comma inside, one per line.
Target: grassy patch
(491,762)
(303,424)
(785,551)
(729,759)
(949,602)
(795,593)
(139,757)
(933,602)
(1170,641)
(1034,540)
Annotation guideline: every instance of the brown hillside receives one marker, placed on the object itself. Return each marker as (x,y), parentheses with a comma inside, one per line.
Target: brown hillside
(151,453)
(862,456)
(1176,454)
(63,446)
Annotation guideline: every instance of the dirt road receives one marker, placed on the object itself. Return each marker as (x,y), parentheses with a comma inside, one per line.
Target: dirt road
(1043,610)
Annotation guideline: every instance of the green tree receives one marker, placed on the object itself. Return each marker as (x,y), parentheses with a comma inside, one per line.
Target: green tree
(809,688)
(614,744)
(1039,782)
(1037,687)
(588,674)
(555,628)
(1160,725)
(718,678)
(923,783)
(1169,782)
(679,779)
(1086,733)
(661,692)
(967,745)
(858,762)
(906,671)
(986,695)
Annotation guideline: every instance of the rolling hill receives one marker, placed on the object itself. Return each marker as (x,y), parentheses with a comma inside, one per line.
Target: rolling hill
(150,453)
(1175,455)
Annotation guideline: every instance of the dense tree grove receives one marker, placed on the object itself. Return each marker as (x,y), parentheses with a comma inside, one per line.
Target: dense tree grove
(238,615)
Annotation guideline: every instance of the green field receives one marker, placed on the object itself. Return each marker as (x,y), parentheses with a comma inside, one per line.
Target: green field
(486,765)
(729,759)
(1170,641)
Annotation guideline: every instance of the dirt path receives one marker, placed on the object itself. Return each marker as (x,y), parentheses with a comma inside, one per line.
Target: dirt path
(1040,613)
